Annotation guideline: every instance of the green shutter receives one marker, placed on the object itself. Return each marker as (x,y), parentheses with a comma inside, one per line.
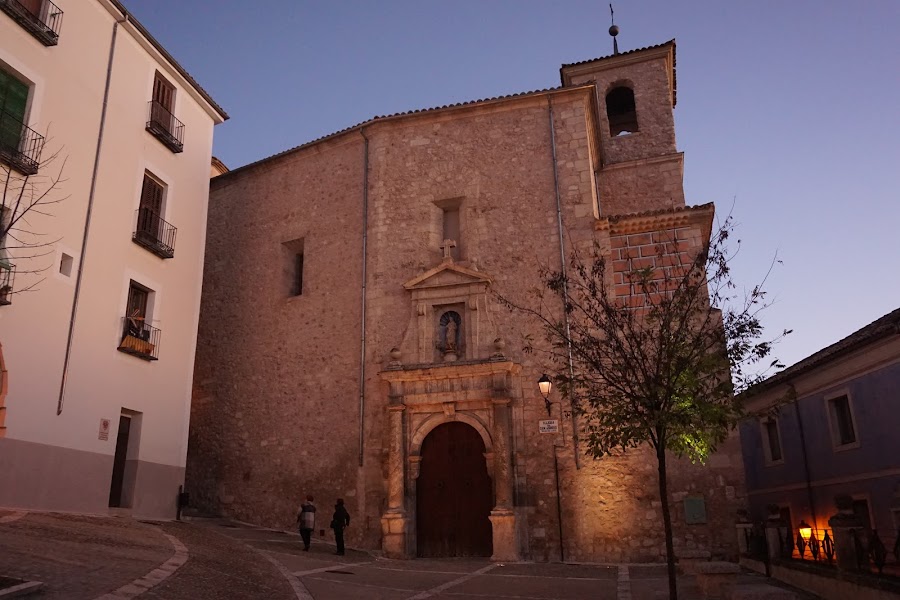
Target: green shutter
(13,99)
(13,96)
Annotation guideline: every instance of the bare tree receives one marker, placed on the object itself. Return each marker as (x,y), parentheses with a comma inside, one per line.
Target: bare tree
(651,366)
(25,200)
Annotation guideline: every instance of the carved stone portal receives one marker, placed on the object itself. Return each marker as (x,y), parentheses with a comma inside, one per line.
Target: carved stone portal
(450,317)
(476,394)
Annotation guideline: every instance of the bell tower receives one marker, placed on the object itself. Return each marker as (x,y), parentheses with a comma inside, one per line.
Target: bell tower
(640,166)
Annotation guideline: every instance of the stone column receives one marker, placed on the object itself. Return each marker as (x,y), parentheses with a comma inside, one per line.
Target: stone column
(394,522)
(503,518)
(844,525)
(776,529)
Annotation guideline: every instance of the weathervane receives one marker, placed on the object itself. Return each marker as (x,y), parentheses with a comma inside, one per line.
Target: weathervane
(613,29)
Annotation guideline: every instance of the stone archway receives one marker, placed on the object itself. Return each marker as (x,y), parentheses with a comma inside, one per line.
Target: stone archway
(454,494)
(472,396)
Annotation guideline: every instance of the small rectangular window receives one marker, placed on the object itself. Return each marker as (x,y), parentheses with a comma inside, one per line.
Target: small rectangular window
(65,264)
(292,256)
(163,92)
(772,440)
(451,227)
(843,428)
(297,288)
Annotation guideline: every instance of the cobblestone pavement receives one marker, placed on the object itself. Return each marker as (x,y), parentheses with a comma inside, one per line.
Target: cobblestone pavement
(79,557)
(88,558)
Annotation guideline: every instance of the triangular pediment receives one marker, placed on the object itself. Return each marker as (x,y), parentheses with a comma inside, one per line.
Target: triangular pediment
(446,274)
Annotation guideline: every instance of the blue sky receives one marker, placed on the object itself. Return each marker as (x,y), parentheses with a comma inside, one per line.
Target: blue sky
(787,111)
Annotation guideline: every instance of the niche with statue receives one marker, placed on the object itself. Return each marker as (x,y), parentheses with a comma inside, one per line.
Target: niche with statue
(449,336)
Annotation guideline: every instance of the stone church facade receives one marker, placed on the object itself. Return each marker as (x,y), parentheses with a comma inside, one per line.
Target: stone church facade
(352,345)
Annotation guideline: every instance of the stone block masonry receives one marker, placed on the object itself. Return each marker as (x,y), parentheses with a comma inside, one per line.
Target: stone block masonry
(277,410)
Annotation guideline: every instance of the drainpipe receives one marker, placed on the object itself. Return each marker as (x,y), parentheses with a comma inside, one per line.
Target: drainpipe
(599,150)
(562,261)
(362,342)
(809,490)
(87,217)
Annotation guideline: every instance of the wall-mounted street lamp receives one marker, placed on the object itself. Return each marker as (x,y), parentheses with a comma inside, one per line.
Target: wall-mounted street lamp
(805,530)
(545,385)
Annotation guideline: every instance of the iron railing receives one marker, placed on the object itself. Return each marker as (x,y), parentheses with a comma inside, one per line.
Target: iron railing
(154,234)
(40,18)
(139,339)
(20,146)
(873,555)
(7,277)
(165,127)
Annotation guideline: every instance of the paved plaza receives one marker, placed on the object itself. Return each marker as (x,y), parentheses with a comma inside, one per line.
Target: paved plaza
(117,558)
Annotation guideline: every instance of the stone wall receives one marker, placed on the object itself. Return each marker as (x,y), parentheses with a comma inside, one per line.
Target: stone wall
(276,411)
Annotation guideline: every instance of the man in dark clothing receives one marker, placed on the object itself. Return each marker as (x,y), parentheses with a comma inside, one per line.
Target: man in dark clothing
(306,520)
(340,520)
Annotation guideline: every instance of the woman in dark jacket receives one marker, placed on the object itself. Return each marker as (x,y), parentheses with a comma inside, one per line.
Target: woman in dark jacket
(340,520)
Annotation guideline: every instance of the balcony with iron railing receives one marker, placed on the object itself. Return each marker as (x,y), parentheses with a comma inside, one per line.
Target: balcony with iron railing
(7,277)
(40,18)
(20,146)
(139,339)
(154,234)
(165,127)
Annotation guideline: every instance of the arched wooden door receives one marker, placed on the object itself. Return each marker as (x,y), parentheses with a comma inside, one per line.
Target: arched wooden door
(454,495)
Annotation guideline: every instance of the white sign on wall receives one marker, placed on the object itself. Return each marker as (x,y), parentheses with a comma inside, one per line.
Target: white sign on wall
(548,426)
(104,430)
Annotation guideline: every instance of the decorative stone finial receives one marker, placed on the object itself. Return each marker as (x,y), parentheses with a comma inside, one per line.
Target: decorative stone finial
(395,358)
(499,345)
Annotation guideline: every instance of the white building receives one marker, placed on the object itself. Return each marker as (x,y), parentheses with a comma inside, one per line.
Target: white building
(99,347)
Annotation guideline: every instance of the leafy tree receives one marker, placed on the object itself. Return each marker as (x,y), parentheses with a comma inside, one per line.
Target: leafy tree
(651,366)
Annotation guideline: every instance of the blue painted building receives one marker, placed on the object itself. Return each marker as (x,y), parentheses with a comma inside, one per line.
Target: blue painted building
(834,430)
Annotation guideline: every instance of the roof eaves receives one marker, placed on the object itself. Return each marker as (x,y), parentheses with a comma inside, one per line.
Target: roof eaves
(887,325)
(181,70)
(383,118)
(635,51)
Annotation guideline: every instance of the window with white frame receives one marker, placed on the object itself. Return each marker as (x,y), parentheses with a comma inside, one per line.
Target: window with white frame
(771,439)
(843,425)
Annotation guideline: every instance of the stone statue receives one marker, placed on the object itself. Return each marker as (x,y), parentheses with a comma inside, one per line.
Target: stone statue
(450,336)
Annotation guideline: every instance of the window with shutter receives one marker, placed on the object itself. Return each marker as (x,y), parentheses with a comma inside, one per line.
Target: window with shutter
(150,213)
(13,102)
(32,6)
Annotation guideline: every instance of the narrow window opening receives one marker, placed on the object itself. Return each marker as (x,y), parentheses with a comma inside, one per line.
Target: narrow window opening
(451,226)
(773,439)
(65,264)
(845,432)
(620,111)
(293,257)
(297,288)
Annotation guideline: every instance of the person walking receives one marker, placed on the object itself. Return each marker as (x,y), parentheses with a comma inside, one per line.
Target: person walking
(340,520)
(306,520)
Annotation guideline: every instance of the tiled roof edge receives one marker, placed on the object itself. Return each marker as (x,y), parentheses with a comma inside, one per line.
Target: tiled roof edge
(636,50)
(877,329)
(181,70)
(377,119)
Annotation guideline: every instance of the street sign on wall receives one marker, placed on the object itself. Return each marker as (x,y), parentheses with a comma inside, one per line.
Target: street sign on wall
(548,426)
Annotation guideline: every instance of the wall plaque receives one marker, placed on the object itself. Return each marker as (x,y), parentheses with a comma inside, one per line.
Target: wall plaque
(104,430)
(694,510)
(548,426)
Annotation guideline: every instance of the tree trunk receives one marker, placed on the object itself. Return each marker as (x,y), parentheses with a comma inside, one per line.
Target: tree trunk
(667,520)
